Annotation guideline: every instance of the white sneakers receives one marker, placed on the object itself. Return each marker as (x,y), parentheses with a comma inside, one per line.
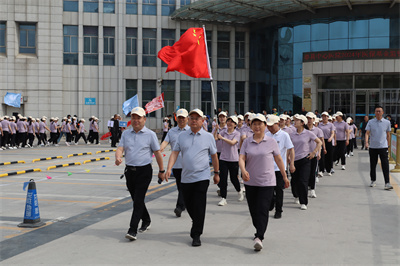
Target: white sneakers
(329,174)
(296,201)
(343,167)
(257,244)
(303,207)
(316,180)
(312,193)
(240,195)
(373,184)
(222,202)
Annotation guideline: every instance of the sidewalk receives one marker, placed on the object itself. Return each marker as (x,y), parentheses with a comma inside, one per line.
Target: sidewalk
(348,223)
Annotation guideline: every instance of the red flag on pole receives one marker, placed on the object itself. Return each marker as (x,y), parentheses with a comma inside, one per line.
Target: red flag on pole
(155,104)
(189,55)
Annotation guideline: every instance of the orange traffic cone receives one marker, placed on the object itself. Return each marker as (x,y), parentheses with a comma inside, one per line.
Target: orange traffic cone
(32,215)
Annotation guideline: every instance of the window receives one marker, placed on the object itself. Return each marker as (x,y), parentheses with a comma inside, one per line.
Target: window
(131,88)
(131,47)
(70,45)
(109,53)
(149,93)
(335,82)
(149,47)
(239,49)
(185,94)
(131,7)
(70,6)
(91,6)
(149,7)
(184,3)
(367,81)
(209,43)
(168,7)
(90,45)
(109,6)
(223,95)
(239,97)
(168,39)
(168,88)
(2,37)
(27,38)
(206,97)
(223,49)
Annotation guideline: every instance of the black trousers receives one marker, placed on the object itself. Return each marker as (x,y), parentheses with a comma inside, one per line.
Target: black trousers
(299,181)
(180,202)
(350,147)
(313,168)
(22,138)
(114,138)
(326,161)
(74,135)
(38,138)
(53,137)
(80,135)
(31,137)
(362,140)
(258,201)
(164,135)
(90,136)
(5,138)
(278,191)
(195,196)
(373,160)
(233,168)
(43,138)
(12,139)
(341,151)
(137,181)
(95,137)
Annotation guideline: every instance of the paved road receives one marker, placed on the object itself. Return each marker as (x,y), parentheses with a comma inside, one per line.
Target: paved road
(87,215)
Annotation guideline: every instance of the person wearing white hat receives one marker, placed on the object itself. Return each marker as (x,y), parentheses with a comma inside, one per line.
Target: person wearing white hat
(353,132)
(31,132)
(63,129)
(165,128)
(54,131)
(195,145)
(301,140)
(95,128)
(328,129)
(240,124)
(205,123)
(229,159)
(13,133)
(257,155)
(139,143)
(81,132)
(172,138)
(342,139)
(68,132)
(42,131)
(5,132)
(282,123)
(287,153)
(22,129)
(90,135)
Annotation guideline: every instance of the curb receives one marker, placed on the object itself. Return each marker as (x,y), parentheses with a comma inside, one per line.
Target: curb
(48,158)
(79,154)
(105,151)
(63,165)
(21,172)
(13,162)
(98,159)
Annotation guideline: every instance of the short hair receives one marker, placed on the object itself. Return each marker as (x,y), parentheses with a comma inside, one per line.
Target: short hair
(378,106)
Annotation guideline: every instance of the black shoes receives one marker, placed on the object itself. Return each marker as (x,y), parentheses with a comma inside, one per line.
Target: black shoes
(278,215)
(131,235)
(196,241)
(144,228)
(178,212)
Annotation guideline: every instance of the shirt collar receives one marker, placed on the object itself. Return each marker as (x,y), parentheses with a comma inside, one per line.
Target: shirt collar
(198,132)
(140,131)
(264,139)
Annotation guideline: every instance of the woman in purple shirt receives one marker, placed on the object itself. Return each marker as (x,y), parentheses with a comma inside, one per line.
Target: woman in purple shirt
(21,128)
(256,162)
(342,139)
(81,130)
(229,158)
(31,131)
(95,128)
(67,130)
(353,132)
(302,139)
(42,131)
(74,129)
(326,162)
(13,127)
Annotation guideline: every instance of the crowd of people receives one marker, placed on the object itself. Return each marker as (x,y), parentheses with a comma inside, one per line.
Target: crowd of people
(20,132)
(260,151)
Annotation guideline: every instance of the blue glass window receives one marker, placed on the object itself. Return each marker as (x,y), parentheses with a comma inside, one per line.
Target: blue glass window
(298,87)
(109,46)
(167,39)
(131,88)
(70,6)
(168,7)
(239,49)
(149,7)
(90,45)
(358,43)
(149,47)
(209,43)
(185,2)
(338,44)
(379,27)
(379,43)
(285,35)
(149,93)
(319,31)
(131,7)
(70,45)
(297,70)
(131,46)
(2,37)
(109,6)
(185,94)
(298,50)
(358,29)
(91,6)
(223,50)
(27,38)
(338,30)
(317,46)
(239,96)
(223,95)
(302,33)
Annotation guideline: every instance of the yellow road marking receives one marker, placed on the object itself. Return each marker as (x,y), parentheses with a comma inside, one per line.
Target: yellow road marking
(13,228)
(71,201)
(161,188)
(106,203)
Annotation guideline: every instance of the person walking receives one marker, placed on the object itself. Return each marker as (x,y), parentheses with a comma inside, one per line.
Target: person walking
(31,131)
(63,129)
(362,131)
(165,128)
(22,129)
(68,132)
(328,129)
(95,128)
(172,138)
(114,130)
(274,125)
(378,131)
(342,139)
(81,132)
(42,131)
(13,133)
(139,144)
(54,131)
(6,132)
(256,163)
(229,159)
(195,145)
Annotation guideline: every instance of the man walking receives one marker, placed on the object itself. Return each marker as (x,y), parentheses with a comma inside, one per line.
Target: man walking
(195,145)
(361,132)
(139,144)
(378,129)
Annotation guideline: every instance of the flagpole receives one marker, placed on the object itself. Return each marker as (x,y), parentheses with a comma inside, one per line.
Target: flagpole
(209,71)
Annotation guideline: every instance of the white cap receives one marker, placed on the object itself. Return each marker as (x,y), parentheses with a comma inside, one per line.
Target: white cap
(51,118)
(310,115)
(240,117)
(5,117)
(56,118)
(283,116)
(260,117)
(339,113)
(325,113)
(197,111)
(44,117)
(92,116)
(69,120)
(334,116)
(222,113)
(302,118)
(248,113)
(348,120)
(82,120)
(272,119)
(316,120)
(182,112)
(296,115)
(138,111)
(234,119)
(329,117)
(166,118)
(66,117)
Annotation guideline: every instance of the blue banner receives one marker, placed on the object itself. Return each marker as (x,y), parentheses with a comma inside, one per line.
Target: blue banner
(130,104)
(13,99)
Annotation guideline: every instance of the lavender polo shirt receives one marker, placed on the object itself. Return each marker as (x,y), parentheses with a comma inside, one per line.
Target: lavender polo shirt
(53,127)
(353,130)
(36,127)
(341,129)
(73,126)
(13,126)
(302,143)
(317,132)
(81,128)
(219,142)
(172,138)
(64,126)
(21,126)
(287,129)
(42,126)
(284,143)
(229,152)
(139,147)
(326,129)
(5,124)
(30,127)
(195,149)
(95,127)
(260,161)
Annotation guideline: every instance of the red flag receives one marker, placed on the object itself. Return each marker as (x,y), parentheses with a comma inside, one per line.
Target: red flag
(155,104)
(189,55)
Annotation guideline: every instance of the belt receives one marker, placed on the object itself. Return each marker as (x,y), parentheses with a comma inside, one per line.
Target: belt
(134,168)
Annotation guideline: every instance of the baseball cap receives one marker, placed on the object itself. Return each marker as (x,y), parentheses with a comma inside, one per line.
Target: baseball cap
(182,112)
(83,120)
(310,115)
(272,119)
(197,111)
(138,111)
(248,113)
(234,119)
(260,117)
(302,118)
(317,120)
(329,117)
(283,116)
(222,113)
(325,113)
(339,113)
(240,117)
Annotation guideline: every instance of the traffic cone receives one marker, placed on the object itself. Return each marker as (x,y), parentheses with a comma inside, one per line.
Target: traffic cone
(32,215)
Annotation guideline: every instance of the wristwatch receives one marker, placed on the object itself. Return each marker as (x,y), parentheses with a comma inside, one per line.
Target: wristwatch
(216,172)
(162,172)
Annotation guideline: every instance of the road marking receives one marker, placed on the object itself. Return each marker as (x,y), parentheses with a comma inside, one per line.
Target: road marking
(70,201)
(395,185)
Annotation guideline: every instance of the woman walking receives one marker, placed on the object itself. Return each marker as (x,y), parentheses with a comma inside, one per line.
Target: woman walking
(326,162)
(31,131)
(81,130)
(342,139)
(95,128)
